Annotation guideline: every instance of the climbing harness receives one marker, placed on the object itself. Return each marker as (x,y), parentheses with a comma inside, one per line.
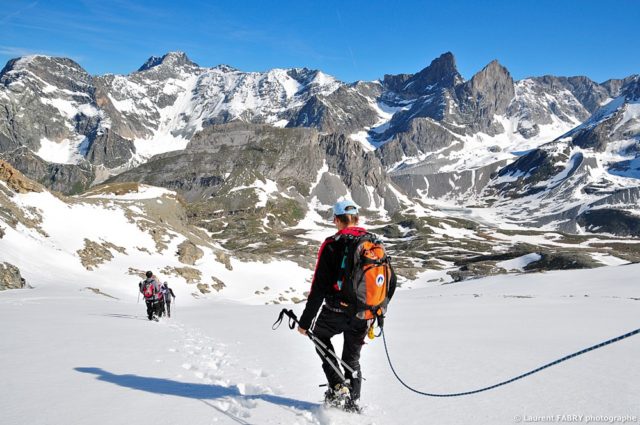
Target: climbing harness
(565,358)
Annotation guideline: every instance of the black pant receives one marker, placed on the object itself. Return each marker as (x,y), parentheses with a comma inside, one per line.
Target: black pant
(331,323)
(168,303)
(153,308)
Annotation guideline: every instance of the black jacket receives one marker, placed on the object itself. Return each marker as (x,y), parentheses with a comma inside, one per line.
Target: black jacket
(325,278)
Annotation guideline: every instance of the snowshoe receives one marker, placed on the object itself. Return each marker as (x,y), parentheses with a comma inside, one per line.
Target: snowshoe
(338,396)
(351,406)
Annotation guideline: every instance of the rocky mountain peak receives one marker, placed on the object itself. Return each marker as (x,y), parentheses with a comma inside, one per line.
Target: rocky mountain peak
(171,59)
(493,86)
(48,68)
(225,68)
(25,62)
(491,73)
(44,75)
(442,72)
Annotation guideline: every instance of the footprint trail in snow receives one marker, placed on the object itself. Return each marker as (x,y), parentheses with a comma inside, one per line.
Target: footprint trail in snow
(241,392)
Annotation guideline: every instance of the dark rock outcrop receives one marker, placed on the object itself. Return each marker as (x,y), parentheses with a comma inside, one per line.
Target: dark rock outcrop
(189,253)
(64,178)
(346,110)
(10,277)
(15,180)
(612,221)
(222,158)
(109,149)
(488,93)
(442,73)
(170,60)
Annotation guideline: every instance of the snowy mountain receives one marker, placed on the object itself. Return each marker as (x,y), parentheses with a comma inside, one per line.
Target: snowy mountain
(586,179)
(462,132)
(426,138)
(114,121)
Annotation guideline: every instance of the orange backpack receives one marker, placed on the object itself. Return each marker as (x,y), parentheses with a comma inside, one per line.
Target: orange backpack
(365,275)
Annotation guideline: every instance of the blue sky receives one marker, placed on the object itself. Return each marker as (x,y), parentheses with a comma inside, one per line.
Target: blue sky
(352,40)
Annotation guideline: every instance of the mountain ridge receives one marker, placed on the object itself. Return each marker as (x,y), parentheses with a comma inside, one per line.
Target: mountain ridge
(437,136)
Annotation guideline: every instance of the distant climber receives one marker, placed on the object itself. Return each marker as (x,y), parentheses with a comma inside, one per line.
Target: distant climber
(151,290)
(355,281)
(168,295)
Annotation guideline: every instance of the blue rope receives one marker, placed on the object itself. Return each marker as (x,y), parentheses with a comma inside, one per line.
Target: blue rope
(570,356)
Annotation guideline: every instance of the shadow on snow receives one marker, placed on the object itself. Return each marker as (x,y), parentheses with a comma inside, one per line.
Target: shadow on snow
(200,392)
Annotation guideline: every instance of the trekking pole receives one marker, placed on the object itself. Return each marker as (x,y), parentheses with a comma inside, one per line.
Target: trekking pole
(138,302)
(322,348)
(319,344)
(292,324)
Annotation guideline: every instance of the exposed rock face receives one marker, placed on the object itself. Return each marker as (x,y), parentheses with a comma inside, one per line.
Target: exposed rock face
(615,222)
(439,92)
(221,159)
(487,94)
(426,94)
(442,72)
(189,274)
(418,182)
(426,138)
(64,178)
(361,172)
(13,215)
(37,92)
(588,93)
(422,137)
(217,284)
(523,175)
(51,104)
(16,180)
(10,277)
(562,261)
(573,182)
(189,253)
(94,254)
(619,120)
(109,149)
(167,62)
(346,110)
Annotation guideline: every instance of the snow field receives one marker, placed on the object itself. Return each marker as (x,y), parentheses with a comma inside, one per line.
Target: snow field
(91,359)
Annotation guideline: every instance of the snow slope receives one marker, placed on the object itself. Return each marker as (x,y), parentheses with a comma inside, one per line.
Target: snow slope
(141,230)
(89,359)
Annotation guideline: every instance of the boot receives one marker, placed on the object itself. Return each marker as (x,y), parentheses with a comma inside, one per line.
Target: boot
(352,406)
(337,396)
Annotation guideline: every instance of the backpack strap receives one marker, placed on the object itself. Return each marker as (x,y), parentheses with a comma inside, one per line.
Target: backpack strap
(347,258)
